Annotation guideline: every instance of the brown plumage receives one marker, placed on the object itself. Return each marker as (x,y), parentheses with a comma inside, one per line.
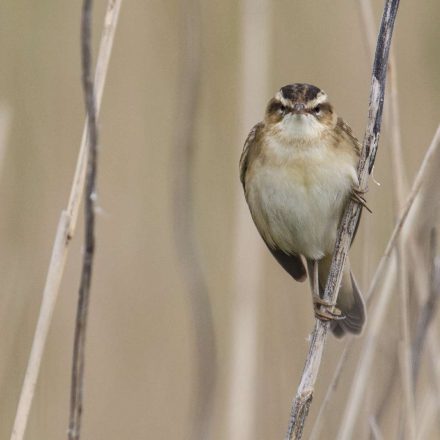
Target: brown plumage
(298,170)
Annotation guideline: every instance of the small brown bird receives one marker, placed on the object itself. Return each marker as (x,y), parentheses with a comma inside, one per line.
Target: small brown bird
(298,170)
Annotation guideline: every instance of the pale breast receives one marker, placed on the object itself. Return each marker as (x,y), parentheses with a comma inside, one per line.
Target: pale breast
(297,203)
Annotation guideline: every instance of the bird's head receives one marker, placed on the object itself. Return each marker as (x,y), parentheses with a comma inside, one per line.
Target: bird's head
(300,112)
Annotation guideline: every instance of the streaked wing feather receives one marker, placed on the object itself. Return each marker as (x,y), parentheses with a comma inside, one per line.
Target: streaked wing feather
(343,127)
(292,264)
(244,158)
(352,139)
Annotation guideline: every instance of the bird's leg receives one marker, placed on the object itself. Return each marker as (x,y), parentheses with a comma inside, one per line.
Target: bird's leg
(324,310)
(357,195)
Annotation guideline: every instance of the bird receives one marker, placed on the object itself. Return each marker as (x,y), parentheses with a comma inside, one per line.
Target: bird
(298,170)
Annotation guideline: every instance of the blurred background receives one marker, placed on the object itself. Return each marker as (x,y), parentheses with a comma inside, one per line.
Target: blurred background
(145,334)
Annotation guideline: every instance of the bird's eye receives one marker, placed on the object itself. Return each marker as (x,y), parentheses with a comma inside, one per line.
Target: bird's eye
(283,109)
(316,110)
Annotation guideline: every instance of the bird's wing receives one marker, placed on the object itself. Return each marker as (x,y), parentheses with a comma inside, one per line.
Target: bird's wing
(351,140)
(247,150)
(348,137)
(292,264)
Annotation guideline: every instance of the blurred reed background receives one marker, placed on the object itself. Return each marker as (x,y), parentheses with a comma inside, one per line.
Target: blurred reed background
(144,334)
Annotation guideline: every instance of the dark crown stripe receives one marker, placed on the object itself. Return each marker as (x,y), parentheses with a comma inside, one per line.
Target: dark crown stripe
(300,92)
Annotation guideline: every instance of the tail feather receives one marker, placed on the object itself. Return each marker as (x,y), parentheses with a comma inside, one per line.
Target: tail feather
(349,301)
(354,316)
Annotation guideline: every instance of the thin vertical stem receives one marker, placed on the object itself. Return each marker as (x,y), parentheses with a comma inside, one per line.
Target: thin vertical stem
(184,229)
(428,309)
(248,251)
(77,385)
(410,218)
(304,395)
(407,221)
(65,232)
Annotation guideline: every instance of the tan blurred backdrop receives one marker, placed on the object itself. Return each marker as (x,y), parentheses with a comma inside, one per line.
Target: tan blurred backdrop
(140,346)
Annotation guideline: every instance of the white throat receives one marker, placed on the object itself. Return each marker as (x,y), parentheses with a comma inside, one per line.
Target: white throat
(300,128)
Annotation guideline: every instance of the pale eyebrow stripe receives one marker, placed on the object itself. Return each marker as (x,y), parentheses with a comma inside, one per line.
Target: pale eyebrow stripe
(279,97)
(322,97)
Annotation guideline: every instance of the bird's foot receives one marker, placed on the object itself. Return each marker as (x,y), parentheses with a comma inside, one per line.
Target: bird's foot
(357,195)
(326,311)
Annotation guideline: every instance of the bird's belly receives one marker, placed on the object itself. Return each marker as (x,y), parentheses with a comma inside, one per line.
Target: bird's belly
(297,211)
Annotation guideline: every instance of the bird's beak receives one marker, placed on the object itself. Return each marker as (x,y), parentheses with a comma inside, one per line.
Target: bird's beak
(299,109)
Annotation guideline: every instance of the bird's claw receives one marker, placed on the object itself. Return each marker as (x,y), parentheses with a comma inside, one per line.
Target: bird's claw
(325,311)
(357,195)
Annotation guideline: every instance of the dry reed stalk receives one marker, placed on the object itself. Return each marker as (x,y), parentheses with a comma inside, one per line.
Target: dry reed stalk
(404,352)
(433,351)
(426,175)
(424,331)
(399,190)
(248,251)
(317,425)
(79,344)
(400,185)
(392,123)
(408,416)
(427,288)
(411,209)
(391,112)
(428,309)
(5,124)
(422,187)
(427,285)
(376,319)
(302,401)
(184,229)
(429,410)
(431,398)
(65,232)
(369,31)
(434,380)
(388,389)
(375,429)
